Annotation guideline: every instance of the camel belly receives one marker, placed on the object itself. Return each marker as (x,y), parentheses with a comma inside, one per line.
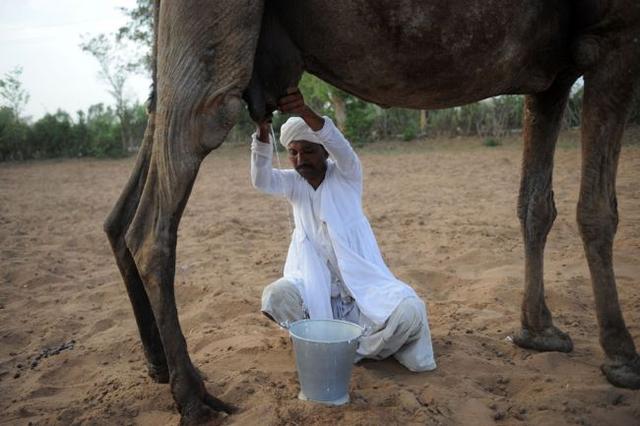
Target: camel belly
(430,54)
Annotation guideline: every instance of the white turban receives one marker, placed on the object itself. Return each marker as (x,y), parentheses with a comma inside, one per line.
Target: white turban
(295,129)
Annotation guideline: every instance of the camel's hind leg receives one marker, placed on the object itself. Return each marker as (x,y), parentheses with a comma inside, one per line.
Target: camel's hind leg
(609,87)
(536,211)
(152,238)
(116,227)
(204,61)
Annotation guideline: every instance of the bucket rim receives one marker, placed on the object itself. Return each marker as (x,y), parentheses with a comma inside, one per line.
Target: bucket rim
(326,341)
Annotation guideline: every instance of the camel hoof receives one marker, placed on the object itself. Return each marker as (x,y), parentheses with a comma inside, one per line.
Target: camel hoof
(550,339)
(218,405)
(199,414)
(625,375)
(206,411)
(159,374)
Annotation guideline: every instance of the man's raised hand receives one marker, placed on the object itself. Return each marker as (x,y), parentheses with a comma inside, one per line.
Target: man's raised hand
(293,103)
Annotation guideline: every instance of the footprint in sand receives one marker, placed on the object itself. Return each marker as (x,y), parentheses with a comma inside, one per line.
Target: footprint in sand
(102,325)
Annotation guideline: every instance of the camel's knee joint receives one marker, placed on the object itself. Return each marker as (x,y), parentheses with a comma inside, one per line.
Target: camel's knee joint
(150,254)
(113,226)
(110,227)
(536,215)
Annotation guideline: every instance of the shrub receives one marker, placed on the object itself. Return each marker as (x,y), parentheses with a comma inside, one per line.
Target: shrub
(491,142)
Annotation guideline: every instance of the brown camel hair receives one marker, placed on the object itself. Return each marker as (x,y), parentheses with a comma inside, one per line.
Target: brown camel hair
(209,56)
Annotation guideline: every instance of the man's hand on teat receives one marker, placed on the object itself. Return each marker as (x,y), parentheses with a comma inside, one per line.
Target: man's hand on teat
(293,103)
(263,129)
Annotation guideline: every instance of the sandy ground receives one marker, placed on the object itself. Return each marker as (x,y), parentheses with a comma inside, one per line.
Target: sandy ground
(444,215)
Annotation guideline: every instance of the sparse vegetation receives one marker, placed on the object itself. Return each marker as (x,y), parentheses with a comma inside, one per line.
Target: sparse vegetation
(92,133)
(491,142)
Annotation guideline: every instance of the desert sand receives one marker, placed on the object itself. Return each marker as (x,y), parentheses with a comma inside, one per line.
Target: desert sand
(444,213)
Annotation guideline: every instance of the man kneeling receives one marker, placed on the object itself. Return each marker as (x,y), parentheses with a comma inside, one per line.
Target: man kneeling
(334,269)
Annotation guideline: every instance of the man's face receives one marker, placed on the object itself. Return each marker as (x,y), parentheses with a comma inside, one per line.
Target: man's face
(308,158)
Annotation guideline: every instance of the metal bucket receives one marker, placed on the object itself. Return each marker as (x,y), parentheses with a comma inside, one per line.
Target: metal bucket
(325,351)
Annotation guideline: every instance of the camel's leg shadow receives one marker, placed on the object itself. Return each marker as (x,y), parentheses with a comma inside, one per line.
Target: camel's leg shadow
(537,211)
(201,71)
(608,91)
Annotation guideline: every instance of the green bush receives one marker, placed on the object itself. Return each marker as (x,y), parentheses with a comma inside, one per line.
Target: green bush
(491,142)
(410,132)
(95,133)
(13,136)
(104,132)
(360,118)
(52,136)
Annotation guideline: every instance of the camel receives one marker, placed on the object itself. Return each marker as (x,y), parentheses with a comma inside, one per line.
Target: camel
(214,57)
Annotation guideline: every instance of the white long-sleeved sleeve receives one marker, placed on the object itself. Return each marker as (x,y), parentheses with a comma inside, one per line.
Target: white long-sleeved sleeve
(263,176)
(347,162)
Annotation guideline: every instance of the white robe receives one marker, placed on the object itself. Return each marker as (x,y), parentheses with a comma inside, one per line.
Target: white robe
(376,290)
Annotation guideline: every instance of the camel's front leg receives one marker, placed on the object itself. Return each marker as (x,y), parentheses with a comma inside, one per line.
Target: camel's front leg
(536,210)
(204,59)
(608,91)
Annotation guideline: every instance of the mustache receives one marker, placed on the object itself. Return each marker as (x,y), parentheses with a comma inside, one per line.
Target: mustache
(305,167)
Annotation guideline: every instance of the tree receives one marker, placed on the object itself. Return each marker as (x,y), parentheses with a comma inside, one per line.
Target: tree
(14,131)
(139,30)
(12,93)
(115,68)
